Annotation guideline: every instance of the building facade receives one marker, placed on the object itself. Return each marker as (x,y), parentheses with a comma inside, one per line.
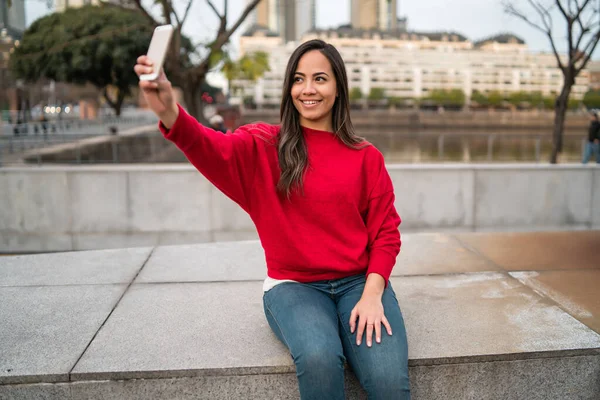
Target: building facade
(62,5)
(412,65)
(288,18)
(12,19)
(374,14)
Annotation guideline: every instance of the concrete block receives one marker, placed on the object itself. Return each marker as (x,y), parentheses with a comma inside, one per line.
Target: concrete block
(203,327)
(575,291)
(503,317)
(34,202)
(271,386)
(533,379)
(232,261)
(444,254)
(73,268)
(235,236)
(428,198)
(169,201)
(25,242)
(99,202)
(518,251)
(45,329)
(175,238)
(40,391)
(538,198)
(227,216)
(92,241)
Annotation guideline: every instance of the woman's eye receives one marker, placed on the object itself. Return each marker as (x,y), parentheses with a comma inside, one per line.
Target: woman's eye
(297,79)
(320,79)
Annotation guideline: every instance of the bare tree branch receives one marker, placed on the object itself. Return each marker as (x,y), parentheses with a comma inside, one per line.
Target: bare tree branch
(510,9)
(580,8)
(167,10)
(220,41)
(562,9)
(145,12)
(584,31)
(214,8)
(591,45)
(186,13)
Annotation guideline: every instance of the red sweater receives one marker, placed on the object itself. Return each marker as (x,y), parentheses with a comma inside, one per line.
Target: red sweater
(344,223)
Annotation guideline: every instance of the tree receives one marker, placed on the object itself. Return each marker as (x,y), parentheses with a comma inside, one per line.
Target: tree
(376,94)
(440,97)
(495,98)
(183,72)
(592,99)
(583,34)
(479,98)
(249,68)
(355,94)
(88,44)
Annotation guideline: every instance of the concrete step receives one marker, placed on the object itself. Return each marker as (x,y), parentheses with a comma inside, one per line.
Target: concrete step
(186,322)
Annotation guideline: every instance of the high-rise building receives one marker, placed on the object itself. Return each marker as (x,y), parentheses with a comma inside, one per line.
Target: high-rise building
(374,14)
(289,18)
(13,18)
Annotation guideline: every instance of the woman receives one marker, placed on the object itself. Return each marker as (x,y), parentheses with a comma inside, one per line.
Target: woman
(323,205)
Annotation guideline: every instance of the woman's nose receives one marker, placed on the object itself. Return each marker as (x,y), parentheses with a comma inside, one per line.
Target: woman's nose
(308,89)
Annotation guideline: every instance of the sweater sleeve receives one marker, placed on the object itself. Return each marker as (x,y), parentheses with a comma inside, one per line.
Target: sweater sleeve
(226,160)
(382,223)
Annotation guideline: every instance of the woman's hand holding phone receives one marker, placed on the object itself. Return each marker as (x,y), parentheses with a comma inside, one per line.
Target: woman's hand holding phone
(158,93)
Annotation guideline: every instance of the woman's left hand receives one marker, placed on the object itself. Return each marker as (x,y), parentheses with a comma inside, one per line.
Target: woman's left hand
(369,312)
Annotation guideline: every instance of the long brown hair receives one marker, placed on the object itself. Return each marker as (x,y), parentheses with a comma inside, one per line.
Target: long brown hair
(291,147)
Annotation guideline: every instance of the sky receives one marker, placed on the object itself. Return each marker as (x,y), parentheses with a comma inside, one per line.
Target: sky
(476,19)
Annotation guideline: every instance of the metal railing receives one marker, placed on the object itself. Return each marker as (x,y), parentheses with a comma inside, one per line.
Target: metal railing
(19,138)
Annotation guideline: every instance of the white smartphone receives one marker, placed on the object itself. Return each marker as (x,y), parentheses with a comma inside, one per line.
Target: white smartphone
(157,51)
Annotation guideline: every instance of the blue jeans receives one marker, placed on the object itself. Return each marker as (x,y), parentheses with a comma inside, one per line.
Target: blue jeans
(312,320)
(591,148)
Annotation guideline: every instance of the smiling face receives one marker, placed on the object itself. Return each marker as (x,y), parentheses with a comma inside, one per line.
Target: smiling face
(314,91)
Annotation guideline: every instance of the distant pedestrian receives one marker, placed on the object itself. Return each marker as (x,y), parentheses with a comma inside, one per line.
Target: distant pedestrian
(592,146)
(216,122)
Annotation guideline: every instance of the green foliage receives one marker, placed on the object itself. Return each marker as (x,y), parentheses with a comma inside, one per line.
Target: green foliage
(91,44)
(355,94)
(573,104)
(454,97)
(479,98)
(526,99)
(250,67)
(376,94)
(592,99)
(495,98)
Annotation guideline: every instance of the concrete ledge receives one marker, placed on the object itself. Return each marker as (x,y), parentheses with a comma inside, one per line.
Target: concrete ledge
(187,321)
(63,208)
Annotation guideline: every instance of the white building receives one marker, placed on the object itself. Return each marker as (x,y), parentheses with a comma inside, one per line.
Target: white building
(411,65)
(62,5)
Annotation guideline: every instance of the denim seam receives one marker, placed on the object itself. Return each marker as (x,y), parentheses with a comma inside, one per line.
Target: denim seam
(279,327)
(349,336)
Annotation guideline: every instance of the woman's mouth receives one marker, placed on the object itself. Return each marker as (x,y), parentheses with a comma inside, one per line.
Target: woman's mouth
(310,103)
